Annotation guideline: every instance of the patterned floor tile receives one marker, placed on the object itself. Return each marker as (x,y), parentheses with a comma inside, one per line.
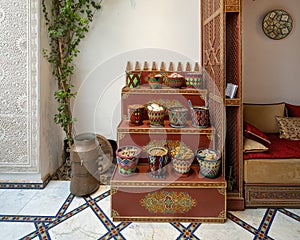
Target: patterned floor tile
(15,230)
(84,225)
(226,231)
(12,201)
(48,200)
(285,225)
(54,213)
(160,231)
(252,216)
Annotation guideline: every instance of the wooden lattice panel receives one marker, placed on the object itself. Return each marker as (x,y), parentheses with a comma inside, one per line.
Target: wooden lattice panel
(213,62)
(232,48)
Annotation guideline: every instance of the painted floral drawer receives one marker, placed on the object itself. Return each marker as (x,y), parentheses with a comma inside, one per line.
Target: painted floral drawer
(191,198)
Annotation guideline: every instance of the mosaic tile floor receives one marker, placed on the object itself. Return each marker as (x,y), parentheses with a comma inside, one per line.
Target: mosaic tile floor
(54,213)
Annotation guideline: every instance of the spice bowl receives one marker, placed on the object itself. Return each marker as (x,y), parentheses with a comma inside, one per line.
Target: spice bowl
(209,161)
(182,159)
(178,116)
(127,159)
(158,160)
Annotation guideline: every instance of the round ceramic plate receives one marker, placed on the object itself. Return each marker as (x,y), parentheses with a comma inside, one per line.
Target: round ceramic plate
(277,24)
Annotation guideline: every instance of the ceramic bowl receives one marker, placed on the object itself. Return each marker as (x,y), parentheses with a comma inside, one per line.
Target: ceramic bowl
(177,116)
(174,82)
(200,117)
(156,117)
(209,161)
(182,165)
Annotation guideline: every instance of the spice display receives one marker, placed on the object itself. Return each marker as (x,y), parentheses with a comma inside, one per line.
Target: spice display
(128,151)
(207,154)
(155,107)
(158,152)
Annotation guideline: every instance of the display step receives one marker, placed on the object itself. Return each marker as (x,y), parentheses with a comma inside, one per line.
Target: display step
(144,135)
(189,198)
(166,96)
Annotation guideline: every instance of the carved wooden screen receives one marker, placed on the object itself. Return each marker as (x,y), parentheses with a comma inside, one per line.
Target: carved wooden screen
(213,65)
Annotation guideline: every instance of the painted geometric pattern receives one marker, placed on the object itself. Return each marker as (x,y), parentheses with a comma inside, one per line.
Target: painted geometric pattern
(168,202)
(257,224)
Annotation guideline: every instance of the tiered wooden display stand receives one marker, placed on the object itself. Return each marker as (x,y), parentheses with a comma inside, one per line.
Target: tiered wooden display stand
(190,197)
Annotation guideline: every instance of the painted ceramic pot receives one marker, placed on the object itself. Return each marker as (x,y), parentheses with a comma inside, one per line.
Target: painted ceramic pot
(133,79)
(182,165)
(174,82)
(156,117)
(194,80)
(158,160)
(209,161)
(127,159)
(136,113)
(155,81)
(178,116)
(200,117)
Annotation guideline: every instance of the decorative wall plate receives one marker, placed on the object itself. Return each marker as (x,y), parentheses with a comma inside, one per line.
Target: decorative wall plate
(277,24)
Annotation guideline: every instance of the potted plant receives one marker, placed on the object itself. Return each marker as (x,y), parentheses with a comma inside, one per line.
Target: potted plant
(67,23)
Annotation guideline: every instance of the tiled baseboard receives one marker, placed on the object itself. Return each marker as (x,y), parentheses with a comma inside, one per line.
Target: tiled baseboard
(25,185)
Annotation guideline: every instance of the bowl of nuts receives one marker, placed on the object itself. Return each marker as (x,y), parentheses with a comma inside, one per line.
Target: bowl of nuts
(127,159)
(209,161)
(182,159)
(156,114)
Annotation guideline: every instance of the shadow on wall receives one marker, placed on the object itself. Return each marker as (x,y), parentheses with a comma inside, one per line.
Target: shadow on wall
(97,106)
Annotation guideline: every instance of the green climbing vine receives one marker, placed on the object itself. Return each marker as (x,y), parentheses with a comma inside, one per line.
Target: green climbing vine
(67,22)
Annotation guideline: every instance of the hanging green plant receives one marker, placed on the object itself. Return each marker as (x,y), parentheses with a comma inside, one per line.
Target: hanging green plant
(67,23)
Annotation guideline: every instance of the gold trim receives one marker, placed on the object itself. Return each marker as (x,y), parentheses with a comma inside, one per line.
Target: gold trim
(169,184)
(114,213)
(222,191)
(168,219)
(113,190)
(233,102)
(232,6)
(121,135)
(232,9)
(222,214)
(187,91)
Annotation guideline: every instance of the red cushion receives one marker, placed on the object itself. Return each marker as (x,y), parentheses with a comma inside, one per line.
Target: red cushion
(293,110)
(280,148)
(255,134)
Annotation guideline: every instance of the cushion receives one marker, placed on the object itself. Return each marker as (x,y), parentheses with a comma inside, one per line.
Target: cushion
(293,110)
(276,171)
(289,127)
(254,133)
(262,116)
(253,146)
(280,148)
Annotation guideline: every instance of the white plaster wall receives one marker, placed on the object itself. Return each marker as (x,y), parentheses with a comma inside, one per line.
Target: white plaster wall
(131,30)
(271,68)
(51,148)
